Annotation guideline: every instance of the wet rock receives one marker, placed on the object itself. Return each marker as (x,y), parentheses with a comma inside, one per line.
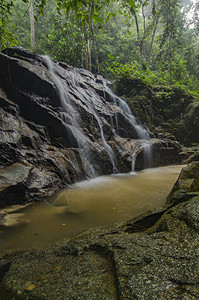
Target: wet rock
(4,267)
(159,153)
(154,256)
(188,128)
(186,186)
(170,112)
(65,126)
(13,182)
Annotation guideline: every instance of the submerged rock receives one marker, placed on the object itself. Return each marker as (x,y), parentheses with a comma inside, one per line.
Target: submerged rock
(154,256)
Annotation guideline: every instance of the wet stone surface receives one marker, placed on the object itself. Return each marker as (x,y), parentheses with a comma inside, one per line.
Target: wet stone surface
(65,126)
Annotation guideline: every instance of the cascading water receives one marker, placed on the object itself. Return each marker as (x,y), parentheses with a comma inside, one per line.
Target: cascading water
(119,102)
(70,116)
(106,145)
(142,132)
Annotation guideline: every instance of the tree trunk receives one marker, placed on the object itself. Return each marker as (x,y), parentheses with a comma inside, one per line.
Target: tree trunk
(140,41)
(32,25)
(153,37)
(89,54)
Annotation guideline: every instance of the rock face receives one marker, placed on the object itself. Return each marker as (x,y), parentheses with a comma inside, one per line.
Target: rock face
(154,256)
(60,124)
(168,111)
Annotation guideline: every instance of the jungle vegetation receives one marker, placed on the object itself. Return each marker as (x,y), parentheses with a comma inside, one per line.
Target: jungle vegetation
(154,40)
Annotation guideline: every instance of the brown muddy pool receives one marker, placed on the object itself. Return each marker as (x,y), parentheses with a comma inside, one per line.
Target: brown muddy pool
(100,201)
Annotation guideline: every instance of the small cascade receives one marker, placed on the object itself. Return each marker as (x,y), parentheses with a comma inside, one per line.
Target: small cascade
(106,145)
(113,98)
(119,102)
(147,153)
(145,148)
(134,156)
(142,132)
(70,116)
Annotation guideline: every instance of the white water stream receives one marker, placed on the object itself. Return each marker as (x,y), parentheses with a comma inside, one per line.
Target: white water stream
(71,117)
(142,132)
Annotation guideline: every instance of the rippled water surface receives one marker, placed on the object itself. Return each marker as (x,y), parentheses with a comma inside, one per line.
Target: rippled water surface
(99,201)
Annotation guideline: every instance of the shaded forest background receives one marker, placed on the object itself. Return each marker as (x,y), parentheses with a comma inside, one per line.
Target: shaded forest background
(156,41)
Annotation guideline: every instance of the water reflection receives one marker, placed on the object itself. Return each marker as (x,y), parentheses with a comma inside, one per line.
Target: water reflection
(100,201)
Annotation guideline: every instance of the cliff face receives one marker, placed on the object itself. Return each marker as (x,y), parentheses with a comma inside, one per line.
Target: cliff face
(60,124)
(168,110)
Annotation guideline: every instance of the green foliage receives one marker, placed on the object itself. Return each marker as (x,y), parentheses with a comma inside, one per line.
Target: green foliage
(65,39)
(133,71)
(149,40)
(5,36)
(7,9)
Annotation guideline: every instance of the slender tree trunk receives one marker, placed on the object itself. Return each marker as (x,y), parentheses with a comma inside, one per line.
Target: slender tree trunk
(32,25)
(95,56)
(89,58)
(96,59)
(144,21)
(153,37)
(88,39)
(140,41)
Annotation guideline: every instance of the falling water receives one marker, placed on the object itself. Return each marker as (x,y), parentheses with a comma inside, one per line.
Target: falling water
(133,161)
(142,132)
(106,145)
(70,116)
(119,102)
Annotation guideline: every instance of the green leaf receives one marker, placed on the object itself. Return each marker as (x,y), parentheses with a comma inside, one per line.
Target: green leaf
(132,3)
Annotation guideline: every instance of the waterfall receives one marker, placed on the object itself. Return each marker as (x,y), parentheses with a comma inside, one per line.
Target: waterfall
(119,102)
(70,116)
(134,155)
(141,131)
(106,145)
